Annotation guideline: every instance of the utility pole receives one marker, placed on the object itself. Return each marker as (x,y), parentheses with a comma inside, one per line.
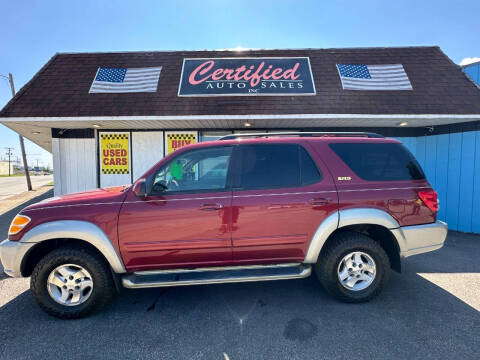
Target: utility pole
(20,137)
(9,153)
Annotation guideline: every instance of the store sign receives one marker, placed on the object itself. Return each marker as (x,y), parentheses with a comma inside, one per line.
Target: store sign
(115,153)
(177,139)
(246,76)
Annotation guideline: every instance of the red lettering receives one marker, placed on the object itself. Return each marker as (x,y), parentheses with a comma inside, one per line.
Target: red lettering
(123,152)
(276,74)
(290,73)
(255,78)
(228,73)
(201,69)
(253,74)
(124,161)
(238,71)
(217,74)
(265,75)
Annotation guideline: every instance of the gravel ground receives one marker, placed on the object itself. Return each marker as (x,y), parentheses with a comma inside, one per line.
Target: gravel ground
(430,311)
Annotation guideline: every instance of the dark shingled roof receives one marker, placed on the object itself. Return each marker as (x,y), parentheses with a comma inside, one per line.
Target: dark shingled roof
(60,88)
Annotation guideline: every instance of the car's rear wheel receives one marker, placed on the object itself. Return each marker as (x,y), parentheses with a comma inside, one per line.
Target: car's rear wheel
(71,282)
(353,267)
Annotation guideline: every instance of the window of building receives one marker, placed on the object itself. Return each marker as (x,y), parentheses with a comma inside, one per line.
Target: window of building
(213,135)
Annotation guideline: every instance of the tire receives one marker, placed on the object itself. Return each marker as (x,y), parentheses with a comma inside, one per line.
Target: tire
(331,266)
(97,293)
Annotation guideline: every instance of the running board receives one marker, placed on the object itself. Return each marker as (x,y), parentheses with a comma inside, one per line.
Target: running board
(216,275)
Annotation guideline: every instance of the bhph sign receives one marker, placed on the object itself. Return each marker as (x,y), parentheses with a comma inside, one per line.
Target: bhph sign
(246,76)
(177,139)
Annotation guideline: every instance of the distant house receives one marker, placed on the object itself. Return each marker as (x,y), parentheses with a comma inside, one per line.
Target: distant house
(473,71)
(4,168)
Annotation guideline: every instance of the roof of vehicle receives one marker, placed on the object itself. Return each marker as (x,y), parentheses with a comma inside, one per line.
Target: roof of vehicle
(296,140)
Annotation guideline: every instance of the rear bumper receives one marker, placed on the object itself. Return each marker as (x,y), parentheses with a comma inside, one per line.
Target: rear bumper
(11,256)
(418,239)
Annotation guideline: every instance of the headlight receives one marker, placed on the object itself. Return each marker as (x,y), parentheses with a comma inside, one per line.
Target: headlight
(18,223)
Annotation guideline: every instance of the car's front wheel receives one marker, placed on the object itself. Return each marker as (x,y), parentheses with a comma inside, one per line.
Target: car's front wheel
(353,267)
(70,282)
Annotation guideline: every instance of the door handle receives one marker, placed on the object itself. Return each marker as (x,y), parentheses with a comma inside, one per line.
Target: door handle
(279,206)
(210,207)
(320,201)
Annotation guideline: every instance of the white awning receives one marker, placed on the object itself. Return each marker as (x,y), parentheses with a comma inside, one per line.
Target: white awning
(38,129)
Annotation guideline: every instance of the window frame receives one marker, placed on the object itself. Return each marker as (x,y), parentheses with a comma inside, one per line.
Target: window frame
(228,180)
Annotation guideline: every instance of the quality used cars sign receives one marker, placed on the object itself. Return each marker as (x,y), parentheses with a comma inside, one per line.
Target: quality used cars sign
(246,76)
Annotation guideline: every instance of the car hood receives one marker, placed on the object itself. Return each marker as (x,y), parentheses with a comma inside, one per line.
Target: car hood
(110,194)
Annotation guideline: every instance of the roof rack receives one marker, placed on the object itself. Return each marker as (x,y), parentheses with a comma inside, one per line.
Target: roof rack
(303,134)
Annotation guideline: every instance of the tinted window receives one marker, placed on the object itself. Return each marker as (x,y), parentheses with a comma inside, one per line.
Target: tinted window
(308,170)
(379,162)
(203,169)
(270,166)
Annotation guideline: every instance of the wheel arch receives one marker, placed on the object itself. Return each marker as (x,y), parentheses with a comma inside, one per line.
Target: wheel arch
(50,235)
(374,223)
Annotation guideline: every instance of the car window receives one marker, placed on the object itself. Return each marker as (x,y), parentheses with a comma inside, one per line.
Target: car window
(201,170)
(270,166)
(379,162)
(308,170)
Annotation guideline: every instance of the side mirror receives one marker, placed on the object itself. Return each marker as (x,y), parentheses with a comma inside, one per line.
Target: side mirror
(140,188)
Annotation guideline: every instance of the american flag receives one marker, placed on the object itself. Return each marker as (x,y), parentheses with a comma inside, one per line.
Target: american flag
(122,80)
(373,77)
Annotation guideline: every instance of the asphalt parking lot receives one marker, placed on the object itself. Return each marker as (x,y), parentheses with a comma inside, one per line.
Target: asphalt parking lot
(430,311)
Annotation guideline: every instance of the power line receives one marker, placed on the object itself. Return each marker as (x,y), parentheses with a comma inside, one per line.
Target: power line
(9,153)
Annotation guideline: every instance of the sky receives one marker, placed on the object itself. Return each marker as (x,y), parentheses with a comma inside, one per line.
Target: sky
(31,32)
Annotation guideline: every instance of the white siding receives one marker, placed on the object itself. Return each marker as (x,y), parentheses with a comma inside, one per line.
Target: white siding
(74,165)
(147,149)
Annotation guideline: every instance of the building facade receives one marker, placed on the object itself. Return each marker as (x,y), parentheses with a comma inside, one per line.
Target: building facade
(108,117)
(4,168)
(473,71)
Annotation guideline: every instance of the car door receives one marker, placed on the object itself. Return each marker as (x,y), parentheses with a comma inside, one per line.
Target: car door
(280,199)
(185,220)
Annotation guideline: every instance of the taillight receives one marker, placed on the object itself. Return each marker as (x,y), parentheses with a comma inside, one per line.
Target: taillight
(429,198)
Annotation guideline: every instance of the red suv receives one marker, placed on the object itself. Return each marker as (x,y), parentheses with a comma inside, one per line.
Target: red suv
(246,208)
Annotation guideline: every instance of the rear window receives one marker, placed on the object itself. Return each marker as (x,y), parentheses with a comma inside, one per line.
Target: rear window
(379,162)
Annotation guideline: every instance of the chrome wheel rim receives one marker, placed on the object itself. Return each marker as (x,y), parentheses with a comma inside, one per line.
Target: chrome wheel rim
(70,284)
(356,271)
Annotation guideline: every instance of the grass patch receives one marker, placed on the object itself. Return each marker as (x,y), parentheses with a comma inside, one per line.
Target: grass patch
(13,175)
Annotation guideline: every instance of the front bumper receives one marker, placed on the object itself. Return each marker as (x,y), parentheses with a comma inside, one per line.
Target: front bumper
(418,239)
(11,256)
